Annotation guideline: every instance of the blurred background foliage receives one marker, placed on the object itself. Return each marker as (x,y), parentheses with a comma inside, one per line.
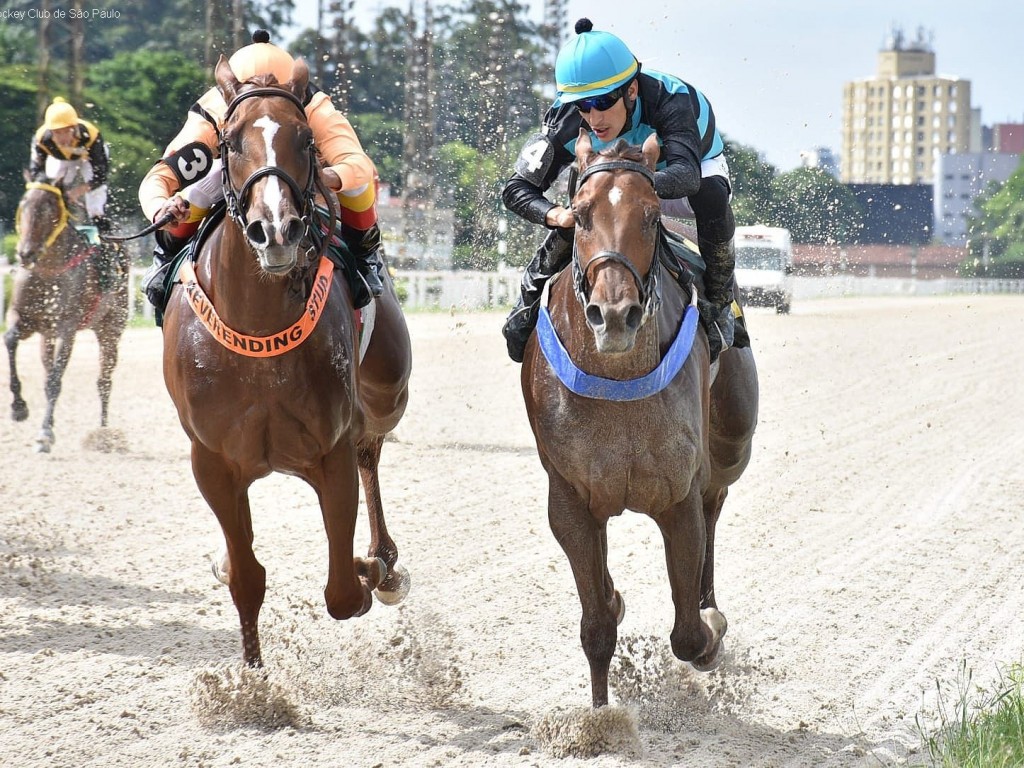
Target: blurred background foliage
(445,98)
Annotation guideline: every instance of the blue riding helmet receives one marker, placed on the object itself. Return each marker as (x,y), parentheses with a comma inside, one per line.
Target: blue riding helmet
(592,64)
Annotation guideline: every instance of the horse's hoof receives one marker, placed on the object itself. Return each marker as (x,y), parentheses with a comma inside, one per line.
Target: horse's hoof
(714,620)
(43,446)
(19,412)
(710,662)
(395,587)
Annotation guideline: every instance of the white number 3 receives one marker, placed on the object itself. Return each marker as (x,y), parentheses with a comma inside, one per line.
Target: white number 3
(191,170)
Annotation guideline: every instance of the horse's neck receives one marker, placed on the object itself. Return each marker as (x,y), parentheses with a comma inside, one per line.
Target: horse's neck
(246,300)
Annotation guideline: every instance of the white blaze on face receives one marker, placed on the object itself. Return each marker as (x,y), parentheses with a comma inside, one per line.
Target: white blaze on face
(272,196)
(615,195)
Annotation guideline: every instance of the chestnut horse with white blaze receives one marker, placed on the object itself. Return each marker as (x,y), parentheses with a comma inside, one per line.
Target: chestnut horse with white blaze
(262,358)
(626,412)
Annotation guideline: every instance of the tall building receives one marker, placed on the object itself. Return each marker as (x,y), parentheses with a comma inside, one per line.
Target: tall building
(820,157)
(960,179)
(897,124)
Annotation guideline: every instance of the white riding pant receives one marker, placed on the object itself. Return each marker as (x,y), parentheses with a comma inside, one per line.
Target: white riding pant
(66,172)
(207,191)
(680,208)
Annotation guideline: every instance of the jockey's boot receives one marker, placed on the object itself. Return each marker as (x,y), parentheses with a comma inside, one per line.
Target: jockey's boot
(167,247)
(716,309)
(364,244)
(551,258)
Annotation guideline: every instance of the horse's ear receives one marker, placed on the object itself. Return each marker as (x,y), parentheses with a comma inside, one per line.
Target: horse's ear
(300,79)
(584,149)
(651,151)
(26,175)
(226,80)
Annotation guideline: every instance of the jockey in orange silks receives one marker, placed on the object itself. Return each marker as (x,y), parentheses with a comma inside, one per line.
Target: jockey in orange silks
(186,182)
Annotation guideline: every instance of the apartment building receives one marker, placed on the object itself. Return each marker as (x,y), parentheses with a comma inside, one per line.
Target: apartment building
(897,124)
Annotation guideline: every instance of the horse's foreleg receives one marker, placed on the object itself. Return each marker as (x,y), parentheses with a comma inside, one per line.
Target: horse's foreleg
(698,630)
(350,580)
(108,361)
(58,354)
(395,585)
(19,408)
(227,494)
(714,498)
(583,540)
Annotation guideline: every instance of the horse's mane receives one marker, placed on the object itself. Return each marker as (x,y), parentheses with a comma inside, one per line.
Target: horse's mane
(623,150)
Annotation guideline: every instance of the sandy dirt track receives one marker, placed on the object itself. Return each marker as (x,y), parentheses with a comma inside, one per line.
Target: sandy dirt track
(873,546)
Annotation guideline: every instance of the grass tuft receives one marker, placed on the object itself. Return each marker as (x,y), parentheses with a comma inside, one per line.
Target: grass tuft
(978,728)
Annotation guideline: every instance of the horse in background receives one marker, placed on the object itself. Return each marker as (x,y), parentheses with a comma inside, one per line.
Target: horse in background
(626,411)
(266,364)
(64,285)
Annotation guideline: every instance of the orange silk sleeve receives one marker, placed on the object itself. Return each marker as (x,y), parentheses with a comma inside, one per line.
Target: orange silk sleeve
(339,147)
(159,184)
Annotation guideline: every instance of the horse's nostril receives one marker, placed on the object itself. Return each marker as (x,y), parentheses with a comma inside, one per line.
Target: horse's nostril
(292,231)
(594,316)
(256,233)
(634,316)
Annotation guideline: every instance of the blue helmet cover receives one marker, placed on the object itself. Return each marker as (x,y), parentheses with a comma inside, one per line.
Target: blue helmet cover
(591,64)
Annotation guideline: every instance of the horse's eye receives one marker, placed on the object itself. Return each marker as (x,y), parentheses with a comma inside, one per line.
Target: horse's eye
(582,214)
(232,140)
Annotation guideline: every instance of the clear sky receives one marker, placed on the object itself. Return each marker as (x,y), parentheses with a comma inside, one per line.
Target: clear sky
(774,69)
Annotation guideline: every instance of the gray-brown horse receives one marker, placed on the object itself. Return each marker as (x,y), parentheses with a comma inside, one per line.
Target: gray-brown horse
(63,285)
(620,397)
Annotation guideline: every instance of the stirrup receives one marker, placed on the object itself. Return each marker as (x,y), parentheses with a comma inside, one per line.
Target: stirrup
(368,267)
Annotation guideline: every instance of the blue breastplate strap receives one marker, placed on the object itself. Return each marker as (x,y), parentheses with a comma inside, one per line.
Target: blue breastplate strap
(598,388)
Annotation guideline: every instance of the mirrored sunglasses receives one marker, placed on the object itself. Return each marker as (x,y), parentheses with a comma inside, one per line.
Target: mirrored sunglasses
(601,103)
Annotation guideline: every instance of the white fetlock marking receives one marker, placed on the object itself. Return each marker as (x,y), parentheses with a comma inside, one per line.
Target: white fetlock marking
(404,582)
(716,622)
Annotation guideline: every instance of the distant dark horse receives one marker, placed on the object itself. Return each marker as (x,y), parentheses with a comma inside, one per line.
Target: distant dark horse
(622,405)
(262,359)
(64,285)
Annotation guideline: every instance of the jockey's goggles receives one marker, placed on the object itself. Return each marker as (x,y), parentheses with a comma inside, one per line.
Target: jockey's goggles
(601,103)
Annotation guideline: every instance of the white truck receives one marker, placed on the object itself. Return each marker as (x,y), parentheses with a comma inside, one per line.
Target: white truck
(764,266)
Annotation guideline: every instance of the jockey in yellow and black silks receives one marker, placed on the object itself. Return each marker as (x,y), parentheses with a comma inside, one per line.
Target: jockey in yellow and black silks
(187,181)
(70,151)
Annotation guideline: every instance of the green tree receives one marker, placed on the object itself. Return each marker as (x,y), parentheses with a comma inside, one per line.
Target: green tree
(140,102)
(815,207)
(998,227)
(751,179)
(17,123)
(381,137)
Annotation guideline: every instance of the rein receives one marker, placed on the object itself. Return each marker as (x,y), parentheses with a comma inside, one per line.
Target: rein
(649,287)
(61,225)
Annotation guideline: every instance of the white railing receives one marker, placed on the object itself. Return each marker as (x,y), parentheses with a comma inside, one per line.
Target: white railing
(465,289)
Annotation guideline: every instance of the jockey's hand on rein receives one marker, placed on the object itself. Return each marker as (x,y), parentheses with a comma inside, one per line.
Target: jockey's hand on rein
(177,206)
(562,218)
(331,178)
